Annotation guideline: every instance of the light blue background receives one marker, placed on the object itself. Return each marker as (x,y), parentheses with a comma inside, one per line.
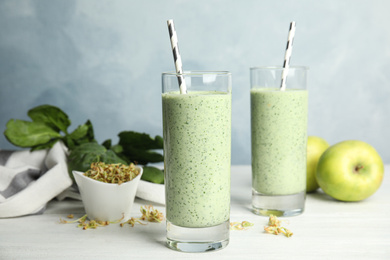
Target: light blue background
(102,60)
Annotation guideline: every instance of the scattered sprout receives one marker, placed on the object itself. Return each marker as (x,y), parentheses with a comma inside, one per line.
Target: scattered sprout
(85,224)
(149,214)
(112,173)
(273,221)
(97,223)
(80,220)
(132,222)
(240,226)
(275,228)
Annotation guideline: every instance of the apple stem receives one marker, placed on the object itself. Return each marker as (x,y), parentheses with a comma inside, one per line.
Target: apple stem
(358,167)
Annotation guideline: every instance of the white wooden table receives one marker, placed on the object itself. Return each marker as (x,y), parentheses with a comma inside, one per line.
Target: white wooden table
(328,229)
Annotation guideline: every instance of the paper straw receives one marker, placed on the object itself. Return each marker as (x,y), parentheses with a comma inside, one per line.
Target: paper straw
(287,55)
(177,57)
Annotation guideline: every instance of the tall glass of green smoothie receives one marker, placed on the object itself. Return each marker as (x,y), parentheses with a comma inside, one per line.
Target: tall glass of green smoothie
(279,136)
(197,157)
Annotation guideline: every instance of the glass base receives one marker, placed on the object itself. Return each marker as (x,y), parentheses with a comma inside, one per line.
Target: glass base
(195,240)
(278,205)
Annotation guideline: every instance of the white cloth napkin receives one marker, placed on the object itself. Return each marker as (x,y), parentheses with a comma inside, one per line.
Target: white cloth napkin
(151,192)
(29,180)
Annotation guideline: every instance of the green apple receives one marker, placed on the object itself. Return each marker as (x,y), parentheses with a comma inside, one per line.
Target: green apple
(316,146)
(350,171)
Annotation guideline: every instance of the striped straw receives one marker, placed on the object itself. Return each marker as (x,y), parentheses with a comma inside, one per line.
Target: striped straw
(176,57)
(287,55)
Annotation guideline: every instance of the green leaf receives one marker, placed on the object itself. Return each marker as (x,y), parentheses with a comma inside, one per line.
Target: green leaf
(140,140)
(107,143)
(152,174)
(90,134)
(51,116)
(139,147)
(81,157)
(29,134)
(80,132)
(45,145)
(117,148)
(69,142)
(159,141)
(142,156)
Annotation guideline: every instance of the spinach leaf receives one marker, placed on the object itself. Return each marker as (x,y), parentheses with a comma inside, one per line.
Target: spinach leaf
(82,134)
(141,156)
(117,148)
(140,140)
(44,130)
(47,145)
(139,147)
(107,143)
(152,174)
(29,134)
(51,116)
(90,136)
(81,157)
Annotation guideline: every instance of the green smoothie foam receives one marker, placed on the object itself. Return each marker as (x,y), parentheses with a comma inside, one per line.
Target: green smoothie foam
(279,134)
(197,146)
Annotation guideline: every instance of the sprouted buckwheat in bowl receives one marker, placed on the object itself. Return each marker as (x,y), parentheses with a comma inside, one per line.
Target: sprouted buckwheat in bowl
(112,173)
(108,190)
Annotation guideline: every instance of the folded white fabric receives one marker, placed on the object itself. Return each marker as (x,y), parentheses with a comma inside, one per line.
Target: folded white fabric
(29,180)
(151,191)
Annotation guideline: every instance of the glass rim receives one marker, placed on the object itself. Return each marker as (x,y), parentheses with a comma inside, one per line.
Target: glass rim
(197,73)
(279,68)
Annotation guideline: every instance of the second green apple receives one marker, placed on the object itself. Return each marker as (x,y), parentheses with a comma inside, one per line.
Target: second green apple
(316,146)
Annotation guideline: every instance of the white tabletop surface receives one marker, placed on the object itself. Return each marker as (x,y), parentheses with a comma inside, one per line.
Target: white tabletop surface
(328,229)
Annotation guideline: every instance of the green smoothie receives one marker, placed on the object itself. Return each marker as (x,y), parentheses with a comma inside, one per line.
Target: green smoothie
(279,134)
(197,146)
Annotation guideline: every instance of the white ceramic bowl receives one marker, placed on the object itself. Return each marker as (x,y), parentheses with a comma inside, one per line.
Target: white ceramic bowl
(107,201)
